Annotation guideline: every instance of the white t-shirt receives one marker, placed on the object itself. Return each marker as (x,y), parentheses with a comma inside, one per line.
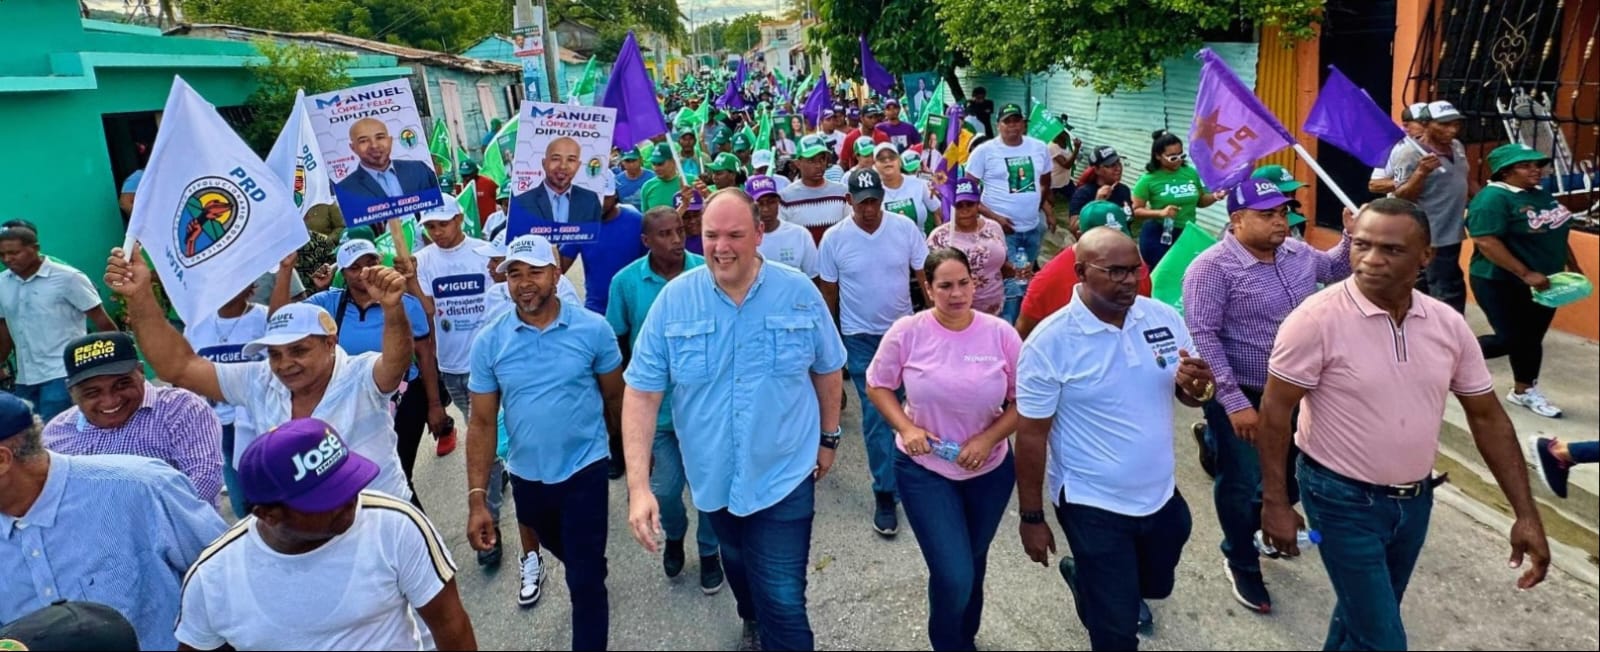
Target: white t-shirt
(358,591)
(222,340)
(1060,175)
(913,200)
(456,280)
(1010,177)
(352,404)
(791,245)
(873,271)
(1109,393)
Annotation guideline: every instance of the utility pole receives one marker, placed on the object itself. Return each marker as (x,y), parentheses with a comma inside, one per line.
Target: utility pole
(525,18)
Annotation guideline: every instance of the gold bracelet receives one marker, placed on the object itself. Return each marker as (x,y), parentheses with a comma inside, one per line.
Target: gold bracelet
(1209,393)
(475,490)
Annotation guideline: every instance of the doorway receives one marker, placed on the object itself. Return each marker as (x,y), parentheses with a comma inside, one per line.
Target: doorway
(1358,38)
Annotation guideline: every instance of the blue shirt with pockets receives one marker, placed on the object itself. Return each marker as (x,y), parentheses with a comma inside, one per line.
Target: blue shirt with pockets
(361,331)
(549,390)
(742,398)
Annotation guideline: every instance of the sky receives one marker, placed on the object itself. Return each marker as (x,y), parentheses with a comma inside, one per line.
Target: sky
(710,10)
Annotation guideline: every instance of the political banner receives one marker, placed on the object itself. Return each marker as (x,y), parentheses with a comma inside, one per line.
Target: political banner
(210,214)
(372,141)
(558,176)
(920,88)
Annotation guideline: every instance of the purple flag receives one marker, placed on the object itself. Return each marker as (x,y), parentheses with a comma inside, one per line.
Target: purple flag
(819,99)
(633,95)
(1348,119)
(1232,129)
(879,79)
(946,175)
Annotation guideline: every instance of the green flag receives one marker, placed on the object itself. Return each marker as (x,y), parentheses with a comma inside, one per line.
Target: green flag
(934,106)
(468,201)
(439,146)
(385,242)
(764,134)
(494,161)
(586,83)
(1043,125)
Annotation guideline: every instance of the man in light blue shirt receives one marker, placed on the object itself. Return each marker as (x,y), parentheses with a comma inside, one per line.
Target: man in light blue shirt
(556,368)
(634,289)
(752,361)
(114,529)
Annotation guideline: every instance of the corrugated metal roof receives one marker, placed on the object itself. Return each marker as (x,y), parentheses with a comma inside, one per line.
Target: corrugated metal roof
(403,53)
(1126,119)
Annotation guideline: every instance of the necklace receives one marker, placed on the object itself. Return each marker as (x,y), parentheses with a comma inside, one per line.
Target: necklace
(216,325)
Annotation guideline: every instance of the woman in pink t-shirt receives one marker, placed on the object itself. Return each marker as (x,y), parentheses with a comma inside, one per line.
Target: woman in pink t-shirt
(958,369)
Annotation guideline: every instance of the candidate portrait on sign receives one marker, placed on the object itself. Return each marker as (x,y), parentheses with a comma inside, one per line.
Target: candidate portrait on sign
(377,176)
(557,200)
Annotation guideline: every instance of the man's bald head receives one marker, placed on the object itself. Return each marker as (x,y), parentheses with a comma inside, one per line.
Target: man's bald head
(1108,270)
(1101,243)
(562,158)
(563,146)
(369,139)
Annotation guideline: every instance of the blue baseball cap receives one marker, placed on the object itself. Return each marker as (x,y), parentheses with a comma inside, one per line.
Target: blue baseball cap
(305,465)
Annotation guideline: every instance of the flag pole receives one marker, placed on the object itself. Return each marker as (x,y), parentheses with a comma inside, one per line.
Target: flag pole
(1323,175)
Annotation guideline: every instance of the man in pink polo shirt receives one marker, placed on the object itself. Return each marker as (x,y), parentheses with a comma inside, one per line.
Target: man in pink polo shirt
(1370,362)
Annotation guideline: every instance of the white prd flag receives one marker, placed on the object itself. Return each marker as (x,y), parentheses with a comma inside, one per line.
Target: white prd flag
(209,212)
(297,160)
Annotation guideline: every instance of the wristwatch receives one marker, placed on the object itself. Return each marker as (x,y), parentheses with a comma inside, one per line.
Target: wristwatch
(830,440)
(1035,517)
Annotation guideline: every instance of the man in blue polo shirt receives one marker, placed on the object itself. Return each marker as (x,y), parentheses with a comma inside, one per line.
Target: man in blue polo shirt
(633,291)
(558,372)
(752,361)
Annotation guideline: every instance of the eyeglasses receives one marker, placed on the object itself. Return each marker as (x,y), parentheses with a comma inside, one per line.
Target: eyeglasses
(1176,158)
(1116,274)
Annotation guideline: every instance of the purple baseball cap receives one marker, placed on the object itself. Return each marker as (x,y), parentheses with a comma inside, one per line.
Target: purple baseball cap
(696,202)
(1256,194)
(760,186)
(305,465)
(968,189)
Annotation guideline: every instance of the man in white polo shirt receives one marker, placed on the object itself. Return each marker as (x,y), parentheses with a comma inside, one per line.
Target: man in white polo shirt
(305,374)
(1094,387)
(43,305)
(866,263)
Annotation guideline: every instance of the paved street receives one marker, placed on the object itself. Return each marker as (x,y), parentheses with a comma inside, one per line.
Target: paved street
(869,593)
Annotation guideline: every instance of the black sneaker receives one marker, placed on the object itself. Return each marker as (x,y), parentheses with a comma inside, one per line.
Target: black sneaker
(885,521)
(1208,455)
(491,557)
(672,558)
(750,637)
(711,574)
(1249,589)
(1147,620)
(615,468)
(1069,572)
(1554,471)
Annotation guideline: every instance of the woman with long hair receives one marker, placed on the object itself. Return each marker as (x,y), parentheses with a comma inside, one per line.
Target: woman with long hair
(1166,197)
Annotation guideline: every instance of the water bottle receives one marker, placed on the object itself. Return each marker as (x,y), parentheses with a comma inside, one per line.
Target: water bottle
(947,450)
(1166,231)
(1303,538)
(1021,264)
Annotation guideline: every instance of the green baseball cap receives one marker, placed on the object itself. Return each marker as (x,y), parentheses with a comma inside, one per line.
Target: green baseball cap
(504,192)
(864,146)
(741,143)
(661,153)
(631,154)
(1279,176)
(724,162)
(1100,213)
(910,162)
(1511,154)
(812,146)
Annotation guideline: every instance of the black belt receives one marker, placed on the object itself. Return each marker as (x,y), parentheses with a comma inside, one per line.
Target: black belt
(1398,491)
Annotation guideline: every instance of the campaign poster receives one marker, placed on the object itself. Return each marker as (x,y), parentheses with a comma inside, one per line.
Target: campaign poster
(919,92)
(372,140)
(559,174)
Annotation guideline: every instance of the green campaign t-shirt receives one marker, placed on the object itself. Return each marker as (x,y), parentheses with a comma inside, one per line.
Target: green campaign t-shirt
(1531,223)
(1181,188)
(659,193)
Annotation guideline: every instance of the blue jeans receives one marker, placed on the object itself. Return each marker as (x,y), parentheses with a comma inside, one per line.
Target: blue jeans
(1237,487)
(955,521)
(1584,452)
(570,519)
(1122,560)
(1443,279)
(1370,544)
(879,438)
(1150,247)
(667,483)
(230,475)
(765,556)
(49,398)
(1026,243)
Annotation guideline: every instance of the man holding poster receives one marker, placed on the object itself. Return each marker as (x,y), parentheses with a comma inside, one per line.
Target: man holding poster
(558,190)
(370,139)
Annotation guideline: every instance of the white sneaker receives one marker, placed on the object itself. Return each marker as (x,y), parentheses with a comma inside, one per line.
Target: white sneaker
(532,579)
(1535,401)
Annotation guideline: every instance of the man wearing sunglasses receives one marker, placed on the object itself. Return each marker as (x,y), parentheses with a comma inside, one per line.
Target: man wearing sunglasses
(1235,296)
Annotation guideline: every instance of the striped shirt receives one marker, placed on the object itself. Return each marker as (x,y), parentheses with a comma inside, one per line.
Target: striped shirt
(113,529)
(173,425)
(809,207)
(1233,304)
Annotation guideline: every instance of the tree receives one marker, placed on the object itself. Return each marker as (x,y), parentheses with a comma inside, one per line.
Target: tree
(1112,44)
(287,68)
(905,35)
(743,33)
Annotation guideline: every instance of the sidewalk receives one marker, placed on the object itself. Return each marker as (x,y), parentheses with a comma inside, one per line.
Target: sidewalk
(1571,365)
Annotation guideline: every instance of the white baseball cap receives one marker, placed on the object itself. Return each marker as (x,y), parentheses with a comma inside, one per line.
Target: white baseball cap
(444,213)
(352,250)
(1442,111)
(293,323)
(762,158)
(534,250)
(494,247)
